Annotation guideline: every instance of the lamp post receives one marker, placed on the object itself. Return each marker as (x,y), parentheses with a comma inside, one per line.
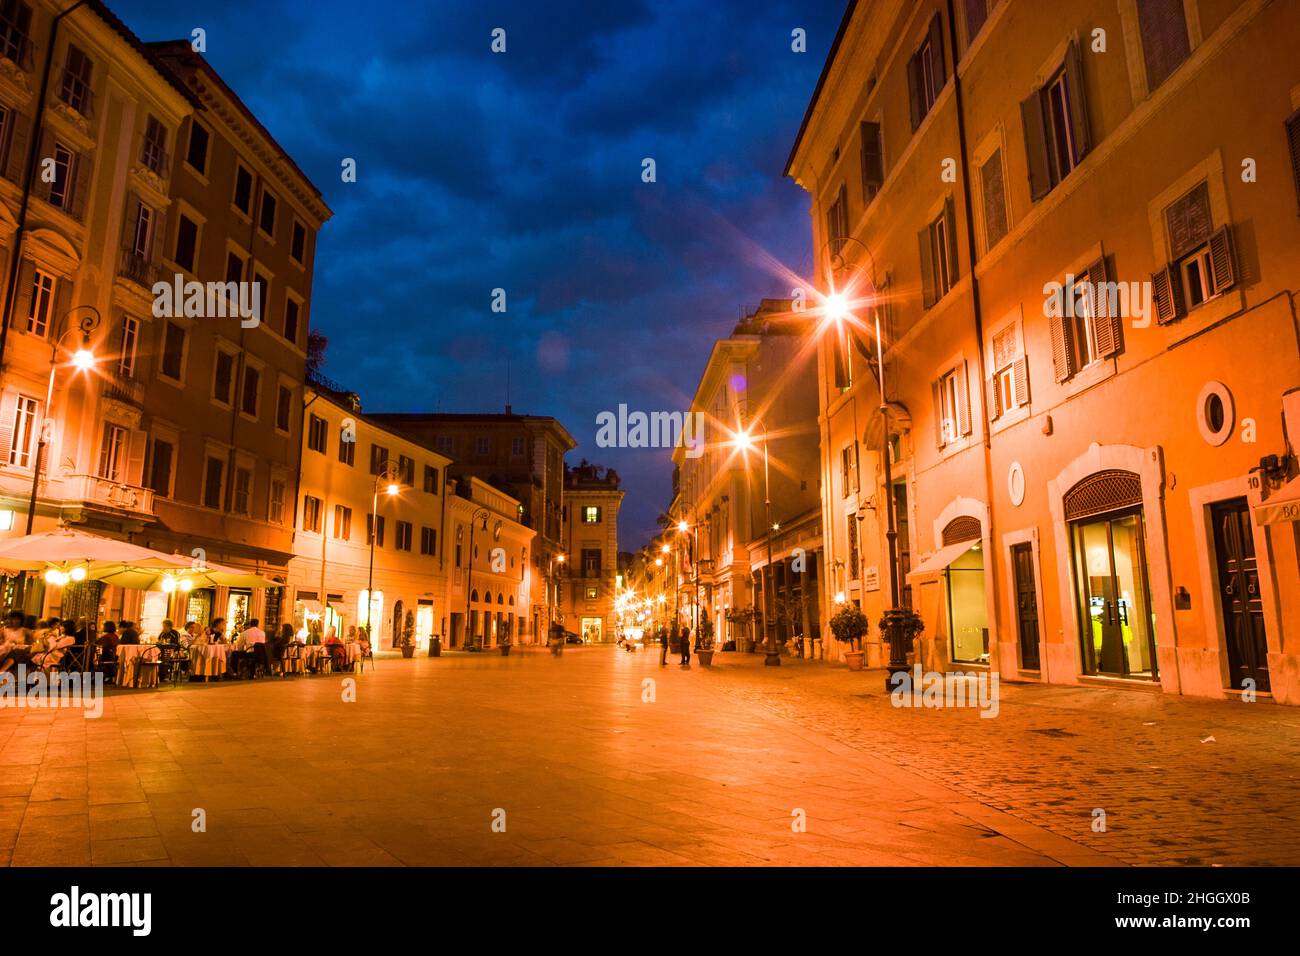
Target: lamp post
(82,360)
(388,475)
(839,309)
(471,639)
(745,440)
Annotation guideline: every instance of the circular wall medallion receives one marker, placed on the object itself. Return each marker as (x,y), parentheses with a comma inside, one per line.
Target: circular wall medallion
(1016,483)
(1216,413)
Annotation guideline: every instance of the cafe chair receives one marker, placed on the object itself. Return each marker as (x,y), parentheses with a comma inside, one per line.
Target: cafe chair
(367,653)
(176,664)
(148,667)
(107,665)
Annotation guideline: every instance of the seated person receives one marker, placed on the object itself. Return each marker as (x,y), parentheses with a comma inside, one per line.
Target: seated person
(169,635)
(130,634)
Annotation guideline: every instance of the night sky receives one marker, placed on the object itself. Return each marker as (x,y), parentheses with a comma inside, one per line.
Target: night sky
(522,171)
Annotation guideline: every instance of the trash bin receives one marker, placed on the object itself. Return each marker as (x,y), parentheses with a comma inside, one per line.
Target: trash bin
(435,647)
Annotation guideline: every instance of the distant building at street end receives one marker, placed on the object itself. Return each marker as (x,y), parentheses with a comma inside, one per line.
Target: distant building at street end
(588,589)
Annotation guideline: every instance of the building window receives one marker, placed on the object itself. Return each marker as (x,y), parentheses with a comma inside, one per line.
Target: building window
(266,217)
(42,307)
(993,193)
(187,242)
(378,459)
(141,237)
(925,72)
(482,445)
(837,221)
(234,266)
(1204,259)
(591,562)
(153,148)
(196,151)
(431,479)
(445,444)
(223,378)
(243,190)
(112,452)
(375,530)
(1056,126)
(298,243)
(252,391)
(517,446)
(1085,322)
(317,433)
(848,470)
(15,32)
(977,11)
(161,455)
(406,470)
(283,408)
(75,90)
(852,538)
(214,476)
(59,190)
(311,512)
(403,542)
(873,161)
(1009,389)
(24,432)
(275,502)
(428,541)
(952,406)
(342,523)
(347,448)
(129,346)
(1165,44)
(173,358)
(291,313)
(938,243)
(590,514)
(243,491)
(593,593)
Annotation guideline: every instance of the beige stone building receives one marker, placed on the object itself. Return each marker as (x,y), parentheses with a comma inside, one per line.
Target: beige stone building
(1090,479)
(589,585)
(491,579)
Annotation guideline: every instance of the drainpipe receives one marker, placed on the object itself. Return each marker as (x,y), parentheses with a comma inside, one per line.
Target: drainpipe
(33,154)
(976,308)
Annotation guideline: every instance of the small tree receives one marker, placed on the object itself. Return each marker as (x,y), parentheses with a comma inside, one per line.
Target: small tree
(850,626)
(704,639)
(407,637)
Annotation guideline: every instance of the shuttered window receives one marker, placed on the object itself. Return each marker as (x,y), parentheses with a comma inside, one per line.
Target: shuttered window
(837,220)
(995,202)
(873,161)
(977,11)
(1055,121)
(938,244)
(1090,325)
(1188,220)
(1293,144)
(1204,258)
(1165,45)
(160,467)
(952,406)
(1009,386)
(926,72)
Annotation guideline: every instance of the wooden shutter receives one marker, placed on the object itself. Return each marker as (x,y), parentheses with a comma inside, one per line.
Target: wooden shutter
(994,196)
(936,54)
(1078,102)
(134,472)
(1223,264)
(1293,143)
(39,186)
(1163,25)
(19,137)
(963,400)
(130,216)
(1189,221)
(8,405)
(950,224)
(936,389)
(1031,115)
(159,235)
(82,166)
(1167,294)
(995,398)
(977,12)
(873,163)
(927,267)
(1107,322)
(23,294)
(915,90)
(62,303)
(1062,348)
(1021,376)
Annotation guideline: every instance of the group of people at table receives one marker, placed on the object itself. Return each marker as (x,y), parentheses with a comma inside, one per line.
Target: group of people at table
(212,652)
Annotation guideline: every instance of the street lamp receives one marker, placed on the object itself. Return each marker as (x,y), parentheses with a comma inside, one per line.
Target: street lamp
(388,476)
(744,441)
(472,639)
(83,359)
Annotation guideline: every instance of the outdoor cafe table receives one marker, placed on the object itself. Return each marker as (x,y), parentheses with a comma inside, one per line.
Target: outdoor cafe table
(209,660)
(128,662)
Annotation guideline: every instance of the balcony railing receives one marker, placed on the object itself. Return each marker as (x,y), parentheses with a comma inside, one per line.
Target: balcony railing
(123,388)
(95,492)
(139,269)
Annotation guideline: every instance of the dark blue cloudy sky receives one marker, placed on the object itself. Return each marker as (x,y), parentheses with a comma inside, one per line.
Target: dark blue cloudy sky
(522,171)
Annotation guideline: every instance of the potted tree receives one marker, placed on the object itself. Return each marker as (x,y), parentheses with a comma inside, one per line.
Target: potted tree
(850,626)
(406,640)
(704,640)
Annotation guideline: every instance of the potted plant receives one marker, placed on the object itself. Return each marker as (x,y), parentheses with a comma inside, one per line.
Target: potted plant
(908,622)
(850,626)
(406,639)
(704,640)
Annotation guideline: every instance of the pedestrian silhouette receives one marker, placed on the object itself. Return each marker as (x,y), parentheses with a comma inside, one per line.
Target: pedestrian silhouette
(686,647)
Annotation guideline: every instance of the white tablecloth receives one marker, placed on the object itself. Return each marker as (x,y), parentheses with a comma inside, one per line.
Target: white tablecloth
(128,663)
(209,660)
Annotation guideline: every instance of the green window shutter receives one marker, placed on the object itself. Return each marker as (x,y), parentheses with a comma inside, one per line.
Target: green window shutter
(1079,128)
(1223,261)
(1031,114)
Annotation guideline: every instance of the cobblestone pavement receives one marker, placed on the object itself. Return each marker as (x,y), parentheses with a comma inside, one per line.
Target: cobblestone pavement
(733,765)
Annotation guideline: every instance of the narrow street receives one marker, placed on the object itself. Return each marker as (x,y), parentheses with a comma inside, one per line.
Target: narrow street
(733,765)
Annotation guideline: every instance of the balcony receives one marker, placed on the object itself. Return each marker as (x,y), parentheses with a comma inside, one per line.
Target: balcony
(118,386)
(103,494)
(139,269)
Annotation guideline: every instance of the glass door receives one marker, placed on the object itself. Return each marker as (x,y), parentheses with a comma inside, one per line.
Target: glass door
(1118,626)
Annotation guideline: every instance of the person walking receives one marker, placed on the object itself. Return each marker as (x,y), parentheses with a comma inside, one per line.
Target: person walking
(686,647)
(663,646)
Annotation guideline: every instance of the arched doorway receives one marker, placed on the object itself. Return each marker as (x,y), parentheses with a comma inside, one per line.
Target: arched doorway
(968,620)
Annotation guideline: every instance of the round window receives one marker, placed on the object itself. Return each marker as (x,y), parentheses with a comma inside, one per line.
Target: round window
(1215,413)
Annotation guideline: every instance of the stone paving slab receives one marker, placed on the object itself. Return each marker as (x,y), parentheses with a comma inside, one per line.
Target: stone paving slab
(585,772)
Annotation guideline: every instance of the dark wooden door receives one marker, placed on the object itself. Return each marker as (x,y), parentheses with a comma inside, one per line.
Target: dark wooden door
(1239,597)
(1022,557)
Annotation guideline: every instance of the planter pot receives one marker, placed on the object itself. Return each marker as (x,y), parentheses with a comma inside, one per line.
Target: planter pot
(408,650)
(505,650)
(854,660)
(706,657)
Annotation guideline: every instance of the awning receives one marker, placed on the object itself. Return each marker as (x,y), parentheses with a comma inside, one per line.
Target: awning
(1281,507)
(940,560)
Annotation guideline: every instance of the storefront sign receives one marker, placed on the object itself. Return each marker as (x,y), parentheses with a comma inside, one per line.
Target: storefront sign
(871,578)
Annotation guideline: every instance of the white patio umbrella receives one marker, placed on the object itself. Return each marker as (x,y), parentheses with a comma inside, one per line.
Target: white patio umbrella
(72,555)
